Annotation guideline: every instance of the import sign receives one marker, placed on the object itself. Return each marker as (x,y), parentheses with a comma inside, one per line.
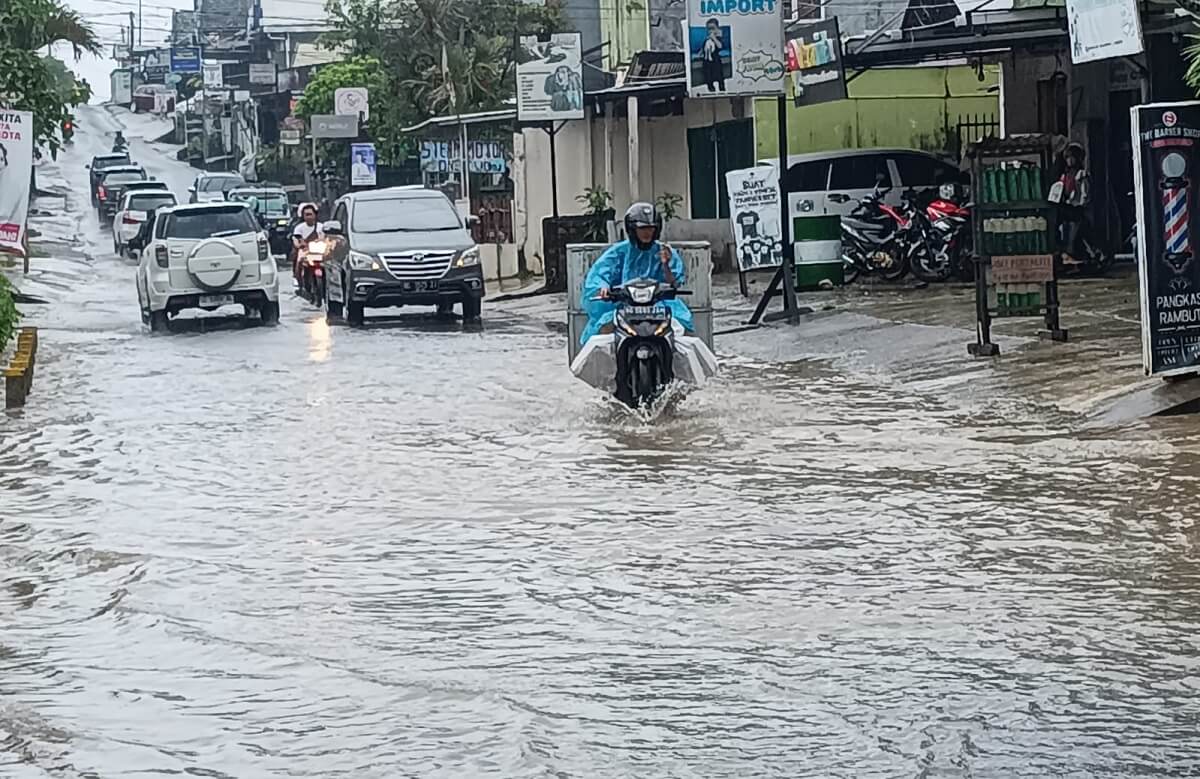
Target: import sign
(334,126)
(1165,170)
(734,47)
(185,59)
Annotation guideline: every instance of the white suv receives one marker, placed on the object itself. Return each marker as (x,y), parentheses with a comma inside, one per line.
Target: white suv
(206,256)
(132,213)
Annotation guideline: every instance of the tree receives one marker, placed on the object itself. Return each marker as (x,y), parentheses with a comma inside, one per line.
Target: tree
(28,82)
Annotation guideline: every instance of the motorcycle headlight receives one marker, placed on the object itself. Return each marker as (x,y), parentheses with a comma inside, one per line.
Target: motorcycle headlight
(641,295)
(360,261)
(468,258)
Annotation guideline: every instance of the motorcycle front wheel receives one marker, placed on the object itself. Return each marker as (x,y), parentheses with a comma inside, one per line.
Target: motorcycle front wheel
(891,264)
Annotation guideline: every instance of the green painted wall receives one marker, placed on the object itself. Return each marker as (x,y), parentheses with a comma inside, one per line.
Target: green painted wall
(626,23)
(900,107)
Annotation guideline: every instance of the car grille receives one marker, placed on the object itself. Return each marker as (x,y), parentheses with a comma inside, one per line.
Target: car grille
(418,265)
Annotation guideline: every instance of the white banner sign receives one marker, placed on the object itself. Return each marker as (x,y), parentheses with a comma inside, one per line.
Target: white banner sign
(754,214)
(352,101)
(734,47)
(550,79)
(213,75)
(16,166)
(1103,29)
(362,164)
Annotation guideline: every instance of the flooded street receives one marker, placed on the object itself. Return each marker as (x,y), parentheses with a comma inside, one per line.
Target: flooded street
(422,551)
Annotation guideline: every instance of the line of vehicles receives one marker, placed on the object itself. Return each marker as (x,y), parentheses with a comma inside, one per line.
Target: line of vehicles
(399,246)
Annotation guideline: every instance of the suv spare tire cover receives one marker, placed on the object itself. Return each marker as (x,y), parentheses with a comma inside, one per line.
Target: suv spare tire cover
(214,264)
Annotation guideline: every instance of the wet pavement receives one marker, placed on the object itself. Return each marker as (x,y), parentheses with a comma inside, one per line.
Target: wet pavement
(419,551)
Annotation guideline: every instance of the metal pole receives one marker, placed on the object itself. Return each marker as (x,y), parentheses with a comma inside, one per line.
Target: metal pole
(553,171)
(465,169)
(139,22)
(785,222)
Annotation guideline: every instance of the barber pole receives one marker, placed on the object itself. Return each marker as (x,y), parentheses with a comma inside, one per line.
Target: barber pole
(1175,205)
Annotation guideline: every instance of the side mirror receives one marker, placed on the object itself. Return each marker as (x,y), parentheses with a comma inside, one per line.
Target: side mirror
(88,166)
(135,254)
(472,220)
(191,190)
(333,227)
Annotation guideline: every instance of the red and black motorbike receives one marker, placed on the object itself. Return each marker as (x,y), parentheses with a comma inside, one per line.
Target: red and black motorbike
(874,239)
(944,233)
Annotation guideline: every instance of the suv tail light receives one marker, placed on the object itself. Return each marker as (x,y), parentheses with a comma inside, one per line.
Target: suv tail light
(263,248)
(129,220)
(101,192)
(160,255)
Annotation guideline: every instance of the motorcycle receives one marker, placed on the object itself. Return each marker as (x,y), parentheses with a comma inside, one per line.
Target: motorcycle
(943,230)
(874,239)
(310,271)
(647,351)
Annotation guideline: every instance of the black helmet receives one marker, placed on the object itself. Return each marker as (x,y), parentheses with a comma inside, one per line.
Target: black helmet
(642,215)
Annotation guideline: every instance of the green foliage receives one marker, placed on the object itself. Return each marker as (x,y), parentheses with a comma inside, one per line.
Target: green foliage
(668,204)
(1191,55)
(8,313)
(30,82)
(598,204)
(423,58)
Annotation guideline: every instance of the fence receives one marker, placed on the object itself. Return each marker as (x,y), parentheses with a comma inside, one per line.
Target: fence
(971,128)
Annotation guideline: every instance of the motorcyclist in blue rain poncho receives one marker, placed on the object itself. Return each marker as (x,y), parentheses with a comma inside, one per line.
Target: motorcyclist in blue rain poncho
(640,256)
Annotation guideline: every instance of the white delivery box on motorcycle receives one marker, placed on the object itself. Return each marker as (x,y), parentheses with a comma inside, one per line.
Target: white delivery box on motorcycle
(596,362)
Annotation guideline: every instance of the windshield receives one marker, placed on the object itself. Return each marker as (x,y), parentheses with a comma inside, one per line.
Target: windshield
(110,162)
(210,223)
(409,214)
(121,178)
(268,202)
(150,202)
(220,183)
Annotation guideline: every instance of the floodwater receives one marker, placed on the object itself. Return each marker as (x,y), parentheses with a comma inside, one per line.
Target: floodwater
(418,551)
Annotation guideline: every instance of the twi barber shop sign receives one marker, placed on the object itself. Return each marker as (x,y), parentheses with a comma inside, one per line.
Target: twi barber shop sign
(1165,170)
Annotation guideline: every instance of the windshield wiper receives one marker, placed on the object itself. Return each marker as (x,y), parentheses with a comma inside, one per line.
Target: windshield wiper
(224,233)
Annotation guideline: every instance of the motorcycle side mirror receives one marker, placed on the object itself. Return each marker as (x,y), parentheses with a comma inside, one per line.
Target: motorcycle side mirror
(332,227)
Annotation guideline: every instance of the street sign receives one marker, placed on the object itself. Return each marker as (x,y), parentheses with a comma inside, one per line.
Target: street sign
(1104,29)
(290,136)
(185,59)
(352,101)
(734,47)
(241,95)
(331,126)
(755,218)
(213,75)
(550,80)
(262,73)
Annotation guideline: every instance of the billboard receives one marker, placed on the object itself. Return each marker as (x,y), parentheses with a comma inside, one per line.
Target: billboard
(814,58)
(16,167)
(734,47)
(755,217)
(550,78)
(352,101)
(121,84)
(362,164)
(1165,170)
(1102,29)
(214,75)
(185,59)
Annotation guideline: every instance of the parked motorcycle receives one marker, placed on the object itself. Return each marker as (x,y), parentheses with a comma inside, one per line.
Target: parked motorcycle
(943,229)
(874,239)
(310,272)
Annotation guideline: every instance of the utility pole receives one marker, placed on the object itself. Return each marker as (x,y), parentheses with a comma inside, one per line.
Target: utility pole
(139,22)
(131,29)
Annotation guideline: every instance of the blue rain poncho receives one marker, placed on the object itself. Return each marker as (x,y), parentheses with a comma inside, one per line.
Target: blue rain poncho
(624,262)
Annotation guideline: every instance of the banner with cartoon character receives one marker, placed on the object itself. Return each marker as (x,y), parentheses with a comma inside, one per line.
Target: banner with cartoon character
(814,58)
(755,217)
(550,78)
(734,47)
(1166,168)
(16,165)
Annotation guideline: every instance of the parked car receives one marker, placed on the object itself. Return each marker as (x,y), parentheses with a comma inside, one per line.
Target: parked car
(101,162)
(132,213)
(112,187)
(209,187)
(206,256)
(399,247)
(274,213)
(833,183)
(146,97)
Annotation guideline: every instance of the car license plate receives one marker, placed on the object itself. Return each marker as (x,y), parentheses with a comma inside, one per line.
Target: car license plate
(216,300)
(419,286)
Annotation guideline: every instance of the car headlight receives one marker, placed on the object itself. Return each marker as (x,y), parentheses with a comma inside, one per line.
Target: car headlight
(360,261)
(468,258)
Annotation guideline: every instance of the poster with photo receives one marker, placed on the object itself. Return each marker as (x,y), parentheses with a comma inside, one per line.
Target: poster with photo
(755,217)
(550,78)
(16,166)
(362,164)
(734,47)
